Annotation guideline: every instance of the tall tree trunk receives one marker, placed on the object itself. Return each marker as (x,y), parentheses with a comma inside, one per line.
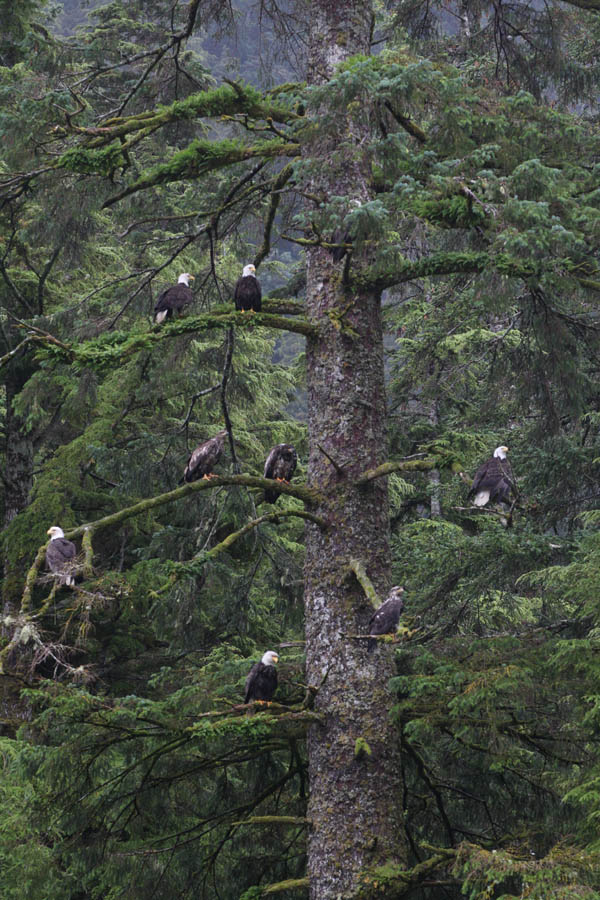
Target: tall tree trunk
(355,796)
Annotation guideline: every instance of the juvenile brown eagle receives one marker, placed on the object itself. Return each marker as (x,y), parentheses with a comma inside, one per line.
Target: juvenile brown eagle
(205,457)
(247,293)
(493,480)
(261,681)
(173,299)
(385,619)
(60,554)
(281,465)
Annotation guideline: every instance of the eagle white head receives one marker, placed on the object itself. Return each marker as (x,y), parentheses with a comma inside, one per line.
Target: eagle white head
(249,270)
(55,532)
(269,658)
(185,278)
(500,452)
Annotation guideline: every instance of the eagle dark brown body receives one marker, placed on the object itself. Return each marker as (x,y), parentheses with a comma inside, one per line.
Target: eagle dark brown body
(247,293)
(280,464)
(204,458)
(385,619)
(174,299)
(494,480)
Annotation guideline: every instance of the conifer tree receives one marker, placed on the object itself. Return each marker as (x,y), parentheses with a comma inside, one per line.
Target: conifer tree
(461,217)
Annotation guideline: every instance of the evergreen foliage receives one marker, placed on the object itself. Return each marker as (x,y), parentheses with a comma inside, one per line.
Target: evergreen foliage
(130,765)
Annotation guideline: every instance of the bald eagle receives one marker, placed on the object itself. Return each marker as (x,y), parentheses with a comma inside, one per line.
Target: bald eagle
(204,458)
(59,555)
(261,681)
(281,464)
(173,299)
(247,293)
(385,619)
(493,480)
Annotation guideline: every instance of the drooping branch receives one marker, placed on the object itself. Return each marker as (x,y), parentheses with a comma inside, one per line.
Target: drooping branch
(280,181)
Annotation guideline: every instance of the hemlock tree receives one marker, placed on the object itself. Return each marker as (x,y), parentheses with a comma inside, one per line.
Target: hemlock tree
(389,171)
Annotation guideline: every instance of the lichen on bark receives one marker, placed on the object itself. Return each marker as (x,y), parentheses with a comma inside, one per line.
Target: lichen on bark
(355,801)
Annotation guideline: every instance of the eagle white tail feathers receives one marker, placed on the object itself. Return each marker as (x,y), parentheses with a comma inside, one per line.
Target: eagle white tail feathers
(481,498)
(161,316)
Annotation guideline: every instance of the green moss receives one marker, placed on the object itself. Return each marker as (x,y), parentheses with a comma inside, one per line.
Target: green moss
(361,748)
(92,162)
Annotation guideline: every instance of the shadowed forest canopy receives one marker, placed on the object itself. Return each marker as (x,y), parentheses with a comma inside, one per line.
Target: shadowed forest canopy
(418,187)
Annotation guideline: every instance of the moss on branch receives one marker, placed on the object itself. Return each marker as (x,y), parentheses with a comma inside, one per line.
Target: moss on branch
(454,263)
(202,156)
(365,582)
(113,347)
(307,495)
(290,884)
(225,100)
(406,465)
(391,880)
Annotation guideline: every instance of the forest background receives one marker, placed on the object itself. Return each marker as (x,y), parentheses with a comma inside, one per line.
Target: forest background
(452,150)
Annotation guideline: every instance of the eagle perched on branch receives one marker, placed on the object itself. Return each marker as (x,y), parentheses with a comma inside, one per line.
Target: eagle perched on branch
(262,679)
(494,480)
(281,465)
(385,619)
(204,458)
(247,293)
(60,555)
(173,299)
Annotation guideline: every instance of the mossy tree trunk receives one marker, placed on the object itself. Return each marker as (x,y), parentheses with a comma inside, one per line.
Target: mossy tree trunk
(355,796)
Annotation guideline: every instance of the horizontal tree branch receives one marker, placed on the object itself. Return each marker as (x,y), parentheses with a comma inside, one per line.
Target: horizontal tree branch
(406,465)
(227,99)
(111,349)
(453,263)
(273,820)
(291,884)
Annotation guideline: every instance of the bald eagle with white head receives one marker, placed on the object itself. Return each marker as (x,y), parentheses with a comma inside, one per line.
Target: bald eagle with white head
(261,681)
(173,299)
(247,293)
(60,555)
(494,480)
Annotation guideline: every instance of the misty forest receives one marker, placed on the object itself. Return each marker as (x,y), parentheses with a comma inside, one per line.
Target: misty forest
(300,311)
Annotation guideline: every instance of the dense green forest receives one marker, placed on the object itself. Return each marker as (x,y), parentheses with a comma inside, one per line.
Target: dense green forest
(418,187)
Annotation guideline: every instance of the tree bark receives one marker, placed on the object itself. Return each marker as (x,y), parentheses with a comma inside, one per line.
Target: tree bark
(355,796)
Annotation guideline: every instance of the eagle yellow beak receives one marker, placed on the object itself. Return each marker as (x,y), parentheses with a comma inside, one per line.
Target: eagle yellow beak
(276,658)
(192,277)
(49,531)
